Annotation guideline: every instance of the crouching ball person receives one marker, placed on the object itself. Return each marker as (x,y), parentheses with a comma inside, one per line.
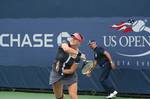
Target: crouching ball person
(104,60)
(64,68)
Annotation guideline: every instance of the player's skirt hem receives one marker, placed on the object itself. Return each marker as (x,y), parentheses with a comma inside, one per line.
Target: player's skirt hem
(65,80)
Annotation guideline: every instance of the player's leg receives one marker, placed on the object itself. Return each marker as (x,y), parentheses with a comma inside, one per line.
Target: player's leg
(73,91)
(58,90)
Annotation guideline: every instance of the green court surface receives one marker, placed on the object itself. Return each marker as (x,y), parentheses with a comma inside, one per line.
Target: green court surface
(25,95)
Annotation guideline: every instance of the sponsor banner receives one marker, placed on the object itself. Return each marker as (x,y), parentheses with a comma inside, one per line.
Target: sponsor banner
(28,47)
(34,41)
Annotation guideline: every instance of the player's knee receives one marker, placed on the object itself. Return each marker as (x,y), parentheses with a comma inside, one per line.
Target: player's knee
(73,95)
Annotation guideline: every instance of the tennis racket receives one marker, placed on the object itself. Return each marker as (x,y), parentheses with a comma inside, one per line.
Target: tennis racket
(87,67)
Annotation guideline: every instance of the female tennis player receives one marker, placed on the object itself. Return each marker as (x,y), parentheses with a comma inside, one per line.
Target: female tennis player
(64,68)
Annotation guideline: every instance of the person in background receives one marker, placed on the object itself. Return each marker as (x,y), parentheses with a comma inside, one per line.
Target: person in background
(104,60)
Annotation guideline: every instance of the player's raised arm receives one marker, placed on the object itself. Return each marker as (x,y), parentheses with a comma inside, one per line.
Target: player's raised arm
(72,49)
(68,49)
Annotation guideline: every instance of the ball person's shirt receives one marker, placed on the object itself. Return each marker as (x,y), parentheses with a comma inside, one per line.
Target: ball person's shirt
(99,56)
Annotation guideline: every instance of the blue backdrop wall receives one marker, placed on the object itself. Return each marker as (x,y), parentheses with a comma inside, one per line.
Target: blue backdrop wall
(73,8)
(28,47)
(30,31)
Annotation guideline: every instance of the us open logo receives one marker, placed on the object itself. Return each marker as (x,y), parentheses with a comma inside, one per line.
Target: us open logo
(131,43)
(131,40)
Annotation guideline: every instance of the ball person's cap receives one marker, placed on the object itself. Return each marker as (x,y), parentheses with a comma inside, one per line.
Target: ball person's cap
(91,42)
